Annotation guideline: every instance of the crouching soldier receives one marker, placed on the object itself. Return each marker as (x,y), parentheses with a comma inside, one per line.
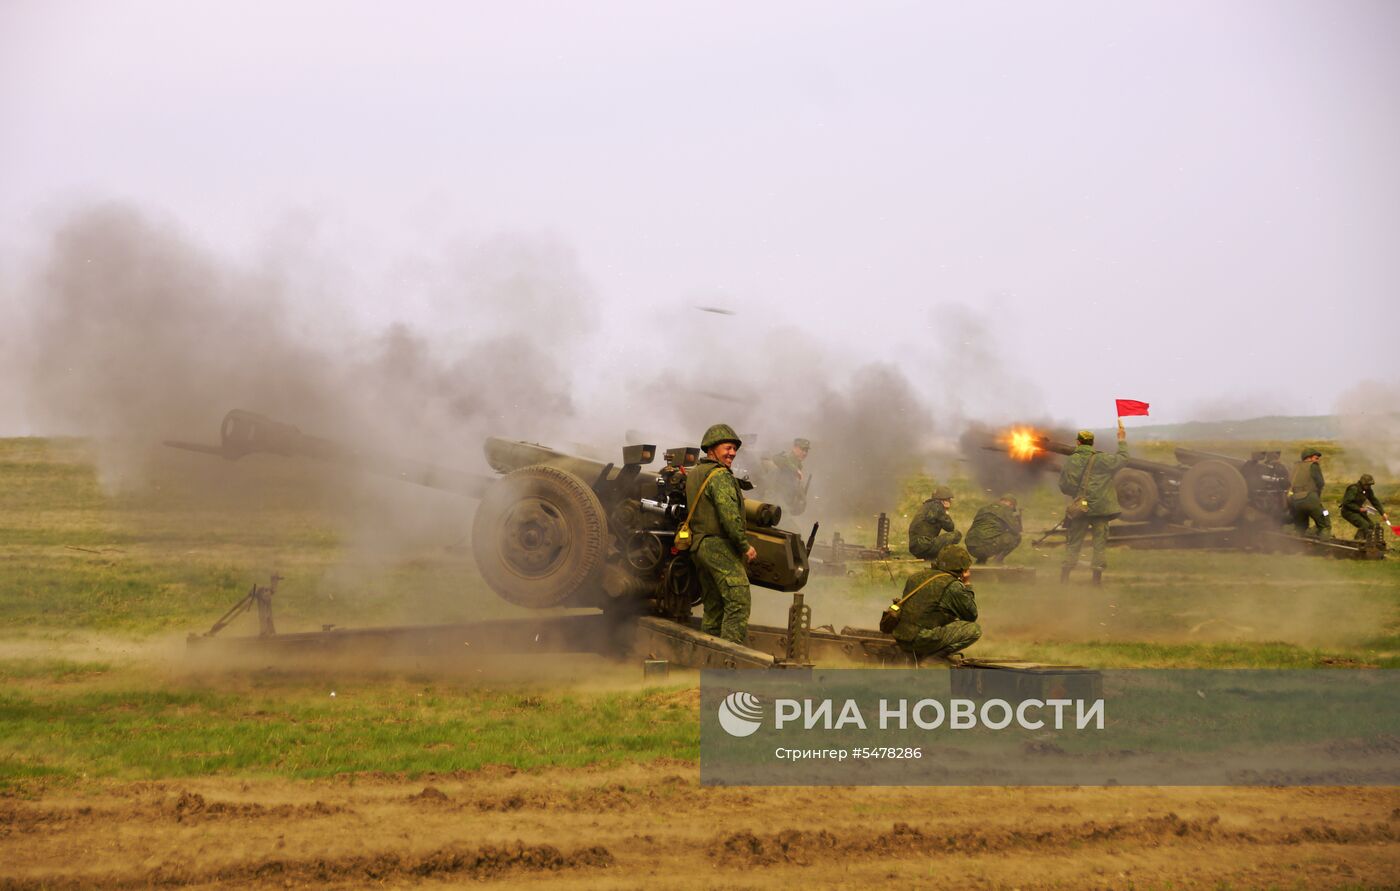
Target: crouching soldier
(938,615)
(932,528)
(995,531)
(1353,506)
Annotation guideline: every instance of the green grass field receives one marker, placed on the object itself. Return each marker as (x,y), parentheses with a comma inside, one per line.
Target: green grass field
(98,584)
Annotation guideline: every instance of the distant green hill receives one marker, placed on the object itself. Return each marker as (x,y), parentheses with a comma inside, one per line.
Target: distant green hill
(1274,427)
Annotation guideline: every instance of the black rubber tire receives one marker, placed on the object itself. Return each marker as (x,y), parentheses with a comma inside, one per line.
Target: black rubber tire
(540,538)
(1137,495)
(1213,493)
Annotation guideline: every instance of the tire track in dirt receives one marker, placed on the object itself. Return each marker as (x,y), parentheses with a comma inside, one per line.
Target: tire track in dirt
(484,863)
(654,825)
(806,847)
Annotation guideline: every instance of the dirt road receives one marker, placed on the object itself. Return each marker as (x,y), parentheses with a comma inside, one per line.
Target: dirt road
(656,827)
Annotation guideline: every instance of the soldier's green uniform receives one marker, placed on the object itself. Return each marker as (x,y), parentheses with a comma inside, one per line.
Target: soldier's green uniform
(1305,497)
(995,531)
(1354,502)
(1098,491)
(719,541)
(783,479)
(932,528)
(941,619)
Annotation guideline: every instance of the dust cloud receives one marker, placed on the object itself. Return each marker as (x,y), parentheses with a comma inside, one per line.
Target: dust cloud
(1369,415)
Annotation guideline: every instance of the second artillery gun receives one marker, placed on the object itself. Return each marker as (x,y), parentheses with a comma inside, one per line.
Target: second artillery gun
(1205,499)
(557,530)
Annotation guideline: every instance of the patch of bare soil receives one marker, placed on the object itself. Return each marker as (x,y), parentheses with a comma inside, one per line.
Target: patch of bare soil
(655,826)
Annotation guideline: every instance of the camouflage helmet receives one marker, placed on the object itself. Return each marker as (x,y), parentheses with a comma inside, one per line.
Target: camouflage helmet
(942,493)
(953,558)
(1009,499)
(1310,452)
(1086,437)
(801,443)
(1367,480)
(719,433)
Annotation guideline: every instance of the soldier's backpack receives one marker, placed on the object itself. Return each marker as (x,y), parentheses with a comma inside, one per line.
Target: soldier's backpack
(889,619)
(682,541)
(1078,506)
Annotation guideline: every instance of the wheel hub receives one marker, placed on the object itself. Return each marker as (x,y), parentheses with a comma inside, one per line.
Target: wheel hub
(534,538)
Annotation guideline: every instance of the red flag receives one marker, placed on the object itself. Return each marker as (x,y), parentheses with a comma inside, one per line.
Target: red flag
(1128,408)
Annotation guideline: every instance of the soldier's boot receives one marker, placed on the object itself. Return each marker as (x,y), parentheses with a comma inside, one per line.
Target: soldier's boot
(1064,574)
(1098,578)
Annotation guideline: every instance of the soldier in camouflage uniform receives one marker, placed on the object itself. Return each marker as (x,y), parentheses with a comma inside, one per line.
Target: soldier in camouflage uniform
(995,531)
(784,480)
(1097,490)
(1305,496)
(941,618)
(719,541)
(1354,506)
(932,528)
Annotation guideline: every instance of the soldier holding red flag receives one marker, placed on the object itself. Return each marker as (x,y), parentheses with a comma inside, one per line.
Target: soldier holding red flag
(1088,478)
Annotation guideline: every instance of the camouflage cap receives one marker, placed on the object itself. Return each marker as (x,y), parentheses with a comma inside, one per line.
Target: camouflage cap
(1310,452)
(953,558)
(1009,498)
(1086,437)
(942,493)
(719,433)
(801,443)
(1367,480)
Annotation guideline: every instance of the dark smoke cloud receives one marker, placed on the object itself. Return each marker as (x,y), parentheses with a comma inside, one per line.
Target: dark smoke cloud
(873,430)
(137,333)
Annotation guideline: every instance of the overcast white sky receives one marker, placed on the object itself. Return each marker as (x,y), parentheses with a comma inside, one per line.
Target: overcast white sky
(1198,200)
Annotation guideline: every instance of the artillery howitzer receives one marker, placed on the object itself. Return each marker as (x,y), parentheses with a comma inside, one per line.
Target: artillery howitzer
(1204,500)
(1208,490)
(556,530)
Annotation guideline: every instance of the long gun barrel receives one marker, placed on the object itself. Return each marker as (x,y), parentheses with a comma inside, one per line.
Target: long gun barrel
(1064,448)
(246,433)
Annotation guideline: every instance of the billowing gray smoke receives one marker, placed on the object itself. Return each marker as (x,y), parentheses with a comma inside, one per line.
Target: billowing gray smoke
(138,334)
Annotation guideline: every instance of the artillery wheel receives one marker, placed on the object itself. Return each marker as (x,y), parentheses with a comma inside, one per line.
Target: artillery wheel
(1213,493)
(1137,494)
(539,536)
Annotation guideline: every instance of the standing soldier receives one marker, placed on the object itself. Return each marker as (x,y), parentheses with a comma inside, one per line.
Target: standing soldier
(995,531)
(932,529)
(1305,496)
(1088,477)
(719,540)
(784,479)
(938,615)
(1354,506)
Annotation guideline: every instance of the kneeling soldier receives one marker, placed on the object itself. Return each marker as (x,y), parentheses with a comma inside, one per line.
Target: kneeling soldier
(932,528)
(995,531)
(938,616)
(1354,506)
